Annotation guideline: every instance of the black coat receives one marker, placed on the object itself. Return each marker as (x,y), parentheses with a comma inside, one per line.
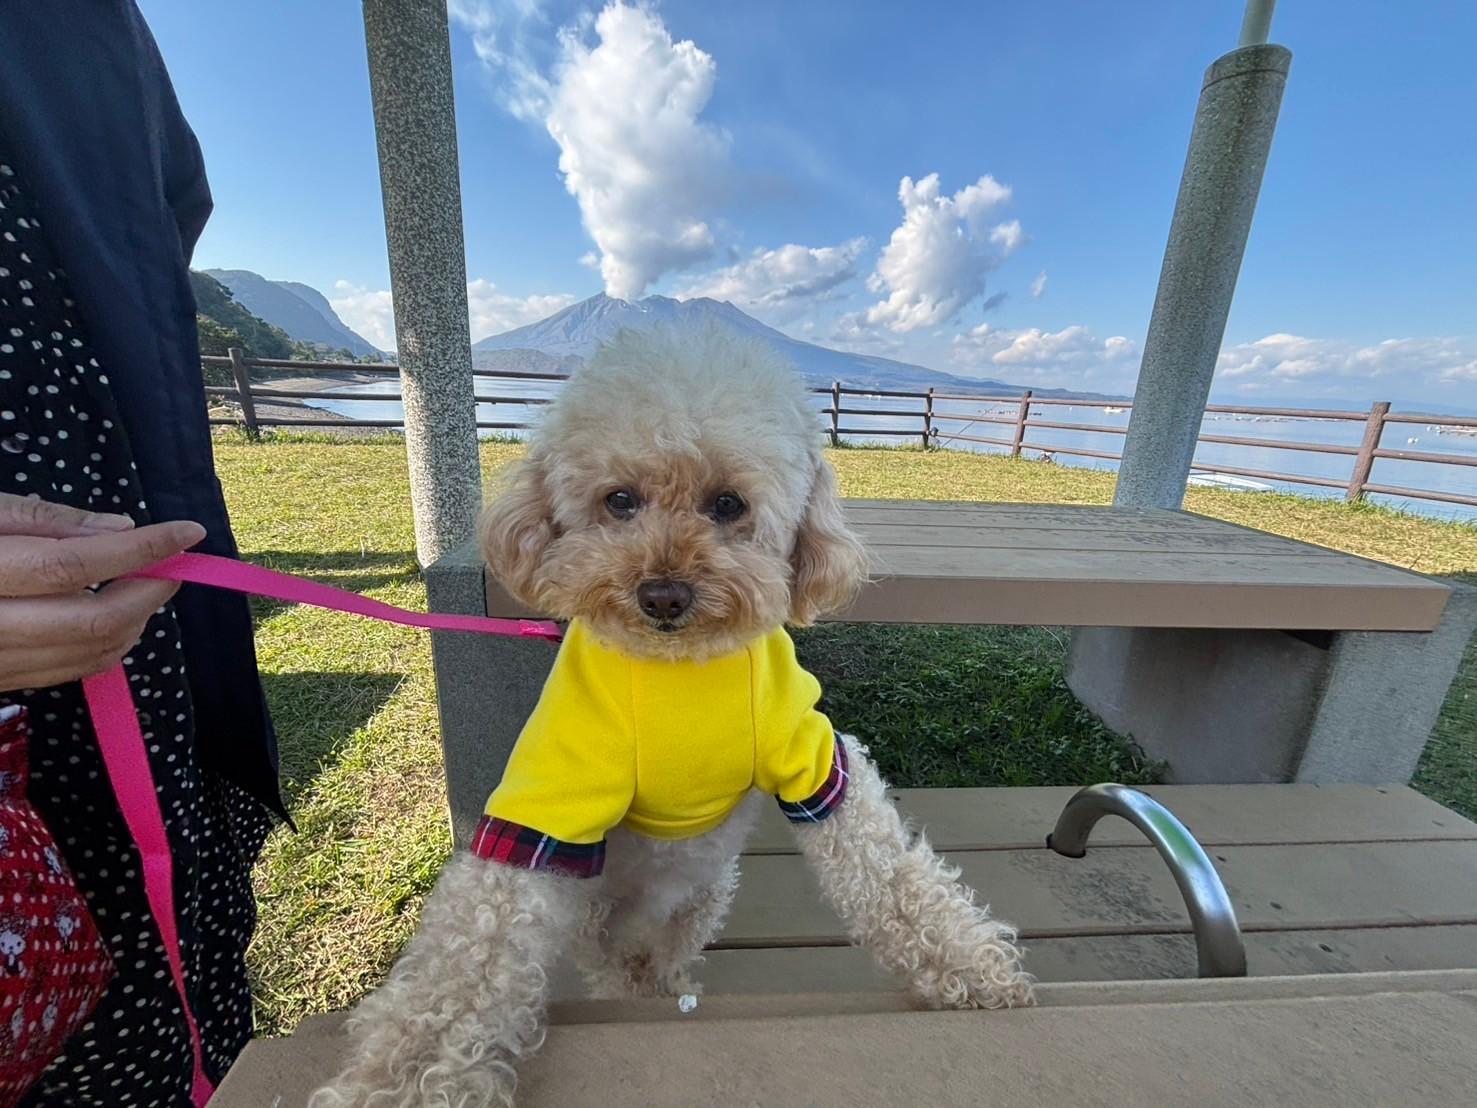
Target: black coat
(118,177)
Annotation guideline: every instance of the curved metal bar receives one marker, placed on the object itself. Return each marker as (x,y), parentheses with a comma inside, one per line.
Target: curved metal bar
(1217,934)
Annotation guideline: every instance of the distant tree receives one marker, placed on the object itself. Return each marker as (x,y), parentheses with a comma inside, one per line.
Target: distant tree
(255,335)
(216,341)
(223,322)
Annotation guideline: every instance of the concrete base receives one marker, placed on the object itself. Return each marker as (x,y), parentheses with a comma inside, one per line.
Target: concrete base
(1221,707)
(486,687)
(1263,706)
(1383,696)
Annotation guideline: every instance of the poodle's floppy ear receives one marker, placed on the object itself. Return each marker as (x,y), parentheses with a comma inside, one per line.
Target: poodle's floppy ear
(517,527)
(829,563)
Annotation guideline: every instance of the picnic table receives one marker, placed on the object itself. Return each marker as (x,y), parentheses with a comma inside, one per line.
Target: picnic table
(1232,654)
(1358,906)
(1306,678)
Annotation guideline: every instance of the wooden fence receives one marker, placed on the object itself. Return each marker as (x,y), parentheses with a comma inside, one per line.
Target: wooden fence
(932,427)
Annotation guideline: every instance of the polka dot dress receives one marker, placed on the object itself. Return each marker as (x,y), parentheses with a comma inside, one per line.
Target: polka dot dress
(60,440)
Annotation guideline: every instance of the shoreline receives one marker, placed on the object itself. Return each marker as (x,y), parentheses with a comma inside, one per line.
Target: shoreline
(314,418)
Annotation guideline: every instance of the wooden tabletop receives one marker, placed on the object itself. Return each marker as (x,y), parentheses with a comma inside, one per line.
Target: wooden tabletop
(1088,566)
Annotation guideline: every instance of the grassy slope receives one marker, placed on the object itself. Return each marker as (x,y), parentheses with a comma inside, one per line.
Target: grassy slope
(355,702)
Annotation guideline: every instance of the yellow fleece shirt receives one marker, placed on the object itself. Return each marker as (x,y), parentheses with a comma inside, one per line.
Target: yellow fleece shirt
(666,749)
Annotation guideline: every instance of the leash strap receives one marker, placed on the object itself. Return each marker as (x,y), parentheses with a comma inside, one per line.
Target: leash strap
(115,720)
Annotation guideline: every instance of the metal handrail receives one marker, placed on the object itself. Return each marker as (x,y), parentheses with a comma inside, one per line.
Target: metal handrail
(1217,934)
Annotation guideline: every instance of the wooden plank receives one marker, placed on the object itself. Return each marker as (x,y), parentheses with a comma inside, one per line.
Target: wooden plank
(789,1004)
(1129,890)
(1383,1048)
(1110,958)
(1378,1039)
(1105,539)
(1206,567)
(1021,818)
(1088,566)
(1252,603)
(1087,517)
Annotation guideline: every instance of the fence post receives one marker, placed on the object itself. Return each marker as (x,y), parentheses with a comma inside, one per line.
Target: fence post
(243,390)
(927,418)
(1022,416)
(835,413)
(1374,427)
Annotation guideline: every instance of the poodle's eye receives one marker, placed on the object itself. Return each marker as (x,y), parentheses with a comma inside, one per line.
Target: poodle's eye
(622,504)
(728,506)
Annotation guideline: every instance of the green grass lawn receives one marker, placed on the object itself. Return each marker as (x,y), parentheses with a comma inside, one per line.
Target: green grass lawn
(355,706)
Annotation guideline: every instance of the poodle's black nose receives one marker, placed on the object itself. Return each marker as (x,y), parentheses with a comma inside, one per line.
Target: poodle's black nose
(663,601)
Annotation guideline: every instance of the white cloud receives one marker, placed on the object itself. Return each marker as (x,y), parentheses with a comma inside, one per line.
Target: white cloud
(491,312)
(936,260)
(634,154)
(501,33)
(1071,356)
(783,282)
(368,311)
(622,100)
(1331,366)
(852,332)
(1038,286)
(372,313)
(1007,236)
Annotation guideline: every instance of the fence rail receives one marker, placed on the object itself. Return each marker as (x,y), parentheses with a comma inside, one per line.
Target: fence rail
(247,394)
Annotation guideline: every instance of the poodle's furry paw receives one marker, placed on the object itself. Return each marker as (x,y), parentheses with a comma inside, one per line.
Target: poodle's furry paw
(980,967)
(411,1082)
(905,904)
(465,1003)
(642,973)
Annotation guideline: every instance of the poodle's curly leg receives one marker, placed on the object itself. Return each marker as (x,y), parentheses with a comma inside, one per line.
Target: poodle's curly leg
(630,957)
(905,904)
(465,1003)
(664,902)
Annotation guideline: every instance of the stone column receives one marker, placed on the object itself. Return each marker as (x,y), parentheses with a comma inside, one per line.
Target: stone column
(1183,694)
(1237,114)
(415,126)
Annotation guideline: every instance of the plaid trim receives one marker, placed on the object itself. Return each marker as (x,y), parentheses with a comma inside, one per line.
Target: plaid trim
(825,799)
(500,840)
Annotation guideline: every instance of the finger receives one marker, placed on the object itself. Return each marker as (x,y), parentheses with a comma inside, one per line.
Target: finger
(112,617)
(52,567)
(29,669)
(37,676)
(26,515)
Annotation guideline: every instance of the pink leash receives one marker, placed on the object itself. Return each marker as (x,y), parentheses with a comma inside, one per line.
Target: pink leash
(115,719)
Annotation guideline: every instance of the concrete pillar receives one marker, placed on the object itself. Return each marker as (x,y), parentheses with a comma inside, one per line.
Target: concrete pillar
(415,126)
(486,688)
(1234,122)
(1200,700)
(1383,696)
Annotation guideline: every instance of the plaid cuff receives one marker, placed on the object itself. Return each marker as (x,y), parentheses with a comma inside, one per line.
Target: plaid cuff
(500,840)
(825,799)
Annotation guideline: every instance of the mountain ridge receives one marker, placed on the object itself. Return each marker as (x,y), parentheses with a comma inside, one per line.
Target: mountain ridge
(300,310)
(571,335)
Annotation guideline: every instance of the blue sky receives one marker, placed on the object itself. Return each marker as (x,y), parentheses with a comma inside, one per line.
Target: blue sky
(759,152)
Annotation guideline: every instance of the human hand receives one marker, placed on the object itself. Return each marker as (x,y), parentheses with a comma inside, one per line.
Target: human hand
(52,628)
